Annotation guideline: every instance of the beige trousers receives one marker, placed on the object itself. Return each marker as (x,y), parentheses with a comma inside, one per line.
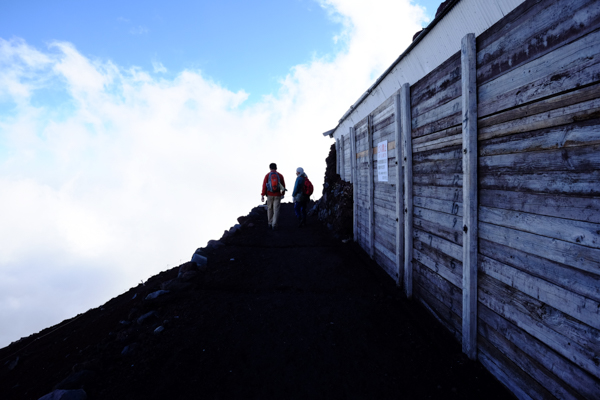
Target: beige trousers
(273,203)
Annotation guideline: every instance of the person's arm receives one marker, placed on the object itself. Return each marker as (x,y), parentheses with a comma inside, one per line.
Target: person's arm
(283,184)
(264,189)
(295,187)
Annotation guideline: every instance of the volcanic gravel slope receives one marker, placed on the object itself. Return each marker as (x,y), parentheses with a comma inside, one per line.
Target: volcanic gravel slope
(285,314)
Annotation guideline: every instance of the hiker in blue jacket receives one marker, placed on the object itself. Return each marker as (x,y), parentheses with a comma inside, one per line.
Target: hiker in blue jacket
(300,198)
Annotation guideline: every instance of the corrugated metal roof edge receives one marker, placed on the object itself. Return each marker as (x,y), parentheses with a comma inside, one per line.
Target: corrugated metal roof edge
(414,43)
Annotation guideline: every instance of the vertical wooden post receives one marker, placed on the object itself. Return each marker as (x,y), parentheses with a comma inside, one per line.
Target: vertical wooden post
(337,156)
(342,158)
(353,165)
(408,189)
(399,191)
(469,132)
(371,187)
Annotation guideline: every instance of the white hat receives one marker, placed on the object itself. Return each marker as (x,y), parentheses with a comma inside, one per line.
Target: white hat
(300,170)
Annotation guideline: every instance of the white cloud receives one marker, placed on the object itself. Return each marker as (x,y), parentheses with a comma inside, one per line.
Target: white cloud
(158,67)
(138,171)
(138,30)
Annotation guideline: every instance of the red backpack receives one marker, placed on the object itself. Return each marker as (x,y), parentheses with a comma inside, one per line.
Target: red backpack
(308,187)
(273,182)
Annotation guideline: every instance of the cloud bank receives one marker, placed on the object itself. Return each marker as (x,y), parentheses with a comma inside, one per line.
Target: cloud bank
(110,175)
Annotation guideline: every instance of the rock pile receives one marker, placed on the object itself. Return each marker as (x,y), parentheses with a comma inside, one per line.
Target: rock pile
(335,207)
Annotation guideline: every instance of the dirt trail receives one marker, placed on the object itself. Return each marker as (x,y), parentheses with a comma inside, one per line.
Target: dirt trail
(285,314)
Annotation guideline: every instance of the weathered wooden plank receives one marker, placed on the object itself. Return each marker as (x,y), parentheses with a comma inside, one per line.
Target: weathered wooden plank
(439,268)
(543,322)
(443,221)
(389,206)
(573,66)
(579,282)
(354,183)
(384,132)
(552,182)
(448,207)
(363,155)
(439,124)
(445,246)
(541,30)
(583,233)
(385,244)
(383,249)
(574,255)
(371,186)
(385,188)
(577,112)
(453,223)
(439,230)
(387,214)
(572,304)
(443,95)
(505,370)
(438,310)
(337,158)
(406,124)
(447,193)
(452,131)
(453,180)
(453,166)
(399,203)
(544,105)
(386,264)
(568,207)
(383,123)
(386,237)
(437,87)
(363,224)
(440,143)
(383,110)
(440,112)
(385,227)
(493,325)
(440,288)
(445,154)
(342,158)
(582,158)
(385,191)
(505,25)
(469,167)
(582,133)
(385,200)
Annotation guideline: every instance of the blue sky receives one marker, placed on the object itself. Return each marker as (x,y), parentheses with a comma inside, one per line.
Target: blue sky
(120,120)
(246,45)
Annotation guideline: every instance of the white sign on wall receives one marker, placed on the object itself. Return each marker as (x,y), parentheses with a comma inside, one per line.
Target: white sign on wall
(382,162)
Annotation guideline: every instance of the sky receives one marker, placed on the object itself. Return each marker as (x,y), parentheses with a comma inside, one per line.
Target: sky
(132,133)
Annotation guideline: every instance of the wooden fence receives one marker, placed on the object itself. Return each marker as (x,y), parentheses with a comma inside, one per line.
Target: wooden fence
(491,213)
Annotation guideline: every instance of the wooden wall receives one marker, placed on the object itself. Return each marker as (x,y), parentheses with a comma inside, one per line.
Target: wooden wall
(538,194)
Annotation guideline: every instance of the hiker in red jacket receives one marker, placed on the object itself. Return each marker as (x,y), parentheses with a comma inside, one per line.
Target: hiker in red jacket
(274,188)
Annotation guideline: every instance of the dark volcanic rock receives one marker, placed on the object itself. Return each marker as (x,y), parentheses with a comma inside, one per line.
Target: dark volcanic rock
(335,207)
(77,380)
(287,314)
(65,395)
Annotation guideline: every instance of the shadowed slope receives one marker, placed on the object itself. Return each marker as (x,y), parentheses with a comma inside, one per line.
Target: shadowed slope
(291,313)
